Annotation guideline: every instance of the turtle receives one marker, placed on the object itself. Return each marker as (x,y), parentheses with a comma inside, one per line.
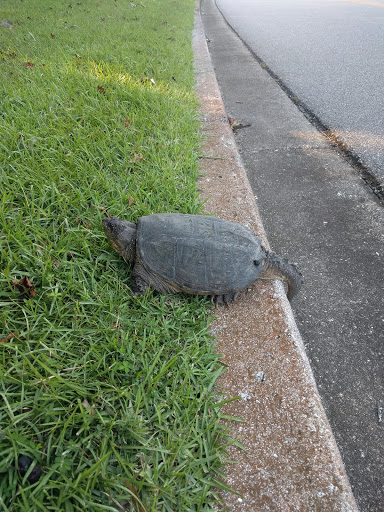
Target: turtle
(196,254)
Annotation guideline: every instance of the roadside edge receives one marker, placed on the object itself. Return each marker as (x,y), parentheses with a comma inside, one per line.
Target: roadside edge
(291,460)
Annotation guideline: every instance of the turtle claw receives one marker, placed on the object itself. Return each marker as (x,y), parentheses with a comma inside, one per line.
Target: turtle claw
(139,286)
(223,299)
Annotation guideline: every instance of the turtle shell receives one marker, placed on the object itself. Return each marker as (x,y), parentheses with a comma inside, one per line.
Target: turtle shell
(198,253)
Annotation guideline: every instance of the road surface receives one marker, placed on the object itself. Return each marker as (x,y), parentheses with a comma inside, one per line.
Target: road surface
(330,54)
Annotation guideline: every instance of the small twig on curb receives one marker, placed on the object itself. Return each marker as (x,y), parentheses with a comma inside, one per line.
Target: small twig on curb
(213,157)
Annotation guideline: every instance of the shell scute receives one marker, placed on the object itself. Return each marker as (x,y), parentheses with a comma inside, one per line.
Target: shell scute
(198,253)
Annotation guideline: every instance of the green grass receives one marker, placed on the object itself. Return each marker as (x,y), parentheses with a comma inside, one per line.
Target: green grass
(112,396)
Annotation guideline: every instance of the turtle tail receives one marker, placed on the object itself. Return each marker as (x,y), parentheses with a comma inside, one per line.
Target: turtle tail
(280,268)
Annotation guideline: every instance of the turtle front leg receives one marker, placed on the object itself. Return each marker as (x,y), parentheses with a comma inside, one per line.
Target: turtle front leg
(144,279)
(140,280)
(139,286)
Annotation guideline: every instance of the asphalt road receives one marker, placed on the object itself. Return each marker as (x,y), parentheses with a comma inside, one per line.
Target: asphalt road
(317,211)
(330,54)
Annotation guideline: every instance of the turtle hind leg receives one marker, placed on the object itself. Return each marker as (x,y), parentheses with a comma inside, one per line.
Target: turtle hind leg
(226,298)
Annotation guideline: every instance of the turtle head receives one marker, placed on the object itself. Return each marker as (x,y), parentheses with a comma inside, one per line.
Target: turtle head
(122,236)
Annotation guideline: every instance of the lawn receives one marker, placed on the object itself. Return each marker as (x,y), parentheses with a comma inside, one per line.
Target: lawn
(111,397)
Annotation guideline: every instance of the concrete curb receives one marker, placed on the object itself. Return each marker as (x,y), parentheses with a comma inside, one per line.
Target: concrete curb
(291,461)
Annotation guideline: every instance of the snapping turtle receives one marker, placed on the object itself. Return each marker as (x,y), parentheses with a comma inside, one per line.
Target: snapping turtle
(196,254)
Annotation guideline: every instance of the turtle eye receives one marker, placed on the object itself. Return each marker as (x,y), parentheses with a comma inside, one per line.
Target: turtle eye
(256,262)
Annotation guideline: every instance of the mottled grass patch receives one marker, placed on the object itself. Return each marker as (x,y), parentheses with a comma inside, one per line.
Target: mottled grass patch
(109,395)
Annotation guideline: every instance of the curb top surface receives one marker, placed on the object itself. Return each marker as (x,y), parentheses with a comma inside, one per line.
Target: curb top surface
(291,460)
